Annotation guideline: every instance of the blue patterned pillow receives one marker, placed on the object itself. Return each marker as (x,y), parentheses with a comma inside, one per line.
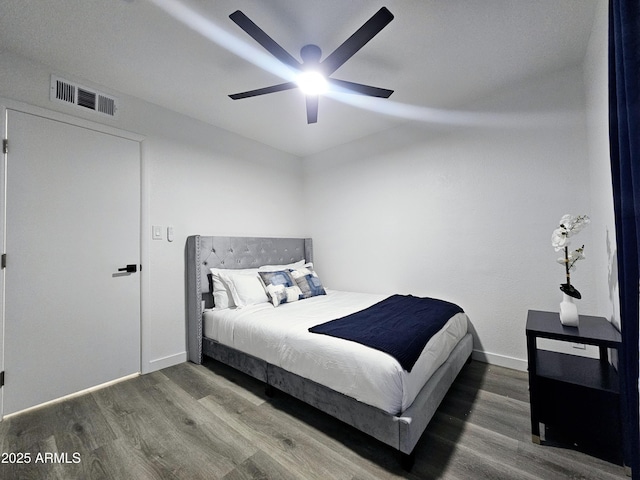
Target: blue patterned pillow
(281,287)
(308,281)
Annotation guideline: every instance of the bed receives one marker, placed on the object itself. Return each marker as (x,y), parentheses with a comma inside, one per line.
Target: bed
(275,346)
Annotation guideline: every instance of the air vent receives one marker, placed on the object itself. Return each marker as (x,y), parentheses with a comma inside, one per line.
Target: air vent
(86,99)
(106,105)
(63,91)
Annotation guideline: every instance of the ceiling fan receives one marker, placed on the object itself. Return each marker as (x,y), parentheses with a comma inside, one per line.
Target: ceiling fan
(313,75)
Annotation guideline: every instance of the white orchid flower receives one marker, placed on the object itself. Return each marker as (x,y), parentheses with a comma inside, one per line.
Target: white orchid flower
(574,224)
(567,220)
(573,257)
(560,239)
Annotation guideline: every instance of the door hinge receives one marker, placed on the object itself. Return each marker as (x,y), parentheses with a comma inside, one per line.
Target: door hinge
(5,146)
(2,379)
(3,261)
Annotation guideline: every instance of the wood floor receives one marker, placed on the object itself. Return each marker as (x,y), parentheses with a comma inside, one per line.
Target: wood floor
(209,422)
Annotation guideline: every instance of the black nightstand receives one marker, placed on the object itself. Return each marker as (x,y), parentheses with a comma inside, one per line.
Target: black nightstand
(576,398)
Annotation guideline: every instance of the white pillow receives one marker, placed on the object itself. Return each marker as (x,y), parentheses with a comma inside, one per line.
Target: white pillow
(222,297)
(276,268)
(245,289)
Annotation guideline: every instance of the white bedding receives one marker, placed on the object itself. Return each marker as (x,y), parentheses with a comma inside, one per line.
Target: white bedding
(280,336)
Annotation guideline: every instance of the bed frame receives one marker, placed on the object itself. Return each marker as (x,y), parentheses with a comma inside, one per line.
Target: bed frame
(401,432)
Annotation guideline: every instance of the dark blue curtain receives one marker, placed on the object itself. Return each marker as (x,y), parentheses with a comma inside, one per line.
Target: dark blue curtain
(624,133)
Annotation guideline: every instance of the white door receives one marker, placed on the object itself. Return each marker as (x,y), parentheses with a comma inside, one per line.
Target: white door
(72,319)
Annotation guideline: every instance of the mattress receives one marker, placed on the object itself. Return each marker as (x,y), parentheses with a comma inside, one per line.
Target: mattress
(280,336)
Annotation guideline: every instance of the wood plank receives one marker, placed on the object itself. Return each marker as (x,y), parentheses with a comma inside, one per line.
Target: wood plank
(342,439)
(194,423)
(499,380)
(504,415)
(556,462)
(120,459)
(296,453)
(260,467)
(202,381)
(523,457)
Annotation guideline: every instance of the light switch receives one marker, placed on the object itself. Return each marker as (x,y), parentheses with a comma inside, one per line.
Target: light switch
(170,234)
(156,232)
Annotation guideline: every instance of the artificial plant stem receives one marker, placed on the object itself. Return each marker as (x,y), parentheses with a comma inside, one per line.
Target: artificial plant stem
(566,264)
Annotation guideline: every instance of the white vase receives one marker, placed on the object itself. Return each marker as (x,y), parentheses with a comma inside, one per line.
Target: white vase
(568,311)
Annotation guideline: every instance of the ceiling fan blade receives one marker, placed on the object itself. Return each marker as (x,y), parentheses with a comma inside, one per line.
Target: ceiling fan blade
(262,91)
(312,108)
(361,89)
(263,39)
(356,41)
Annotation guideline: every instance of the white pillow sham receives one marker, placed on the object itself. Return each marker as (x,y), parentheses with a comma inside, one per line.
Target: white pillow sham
(245,289)
(221,292)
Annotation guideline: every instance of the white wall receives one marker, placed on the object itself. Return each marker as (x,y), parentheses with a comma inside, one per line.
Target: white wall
(464,214)
(596,71)
(198,178)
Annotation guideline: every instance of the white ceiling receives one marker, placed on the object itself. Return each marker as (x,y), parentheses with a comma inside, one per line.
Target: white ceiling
(435,53)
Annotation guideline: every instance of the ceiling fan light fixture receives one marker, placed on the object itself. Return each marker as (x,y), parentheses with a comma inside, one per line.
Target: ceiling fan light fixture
(312,82)
(315,75)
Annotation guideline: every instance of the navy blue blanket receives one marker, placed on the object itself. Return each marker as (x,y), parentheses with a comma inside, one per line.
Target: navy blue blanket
(400,325)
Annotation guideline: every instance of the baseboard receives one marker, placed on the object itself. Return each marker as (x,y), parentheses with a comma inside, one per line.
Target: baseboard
(500,360)
(164,362)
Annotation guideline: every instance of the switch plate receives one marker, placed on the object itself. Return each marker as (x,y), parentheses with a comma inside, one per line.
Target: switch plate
(170,234)
(156,232)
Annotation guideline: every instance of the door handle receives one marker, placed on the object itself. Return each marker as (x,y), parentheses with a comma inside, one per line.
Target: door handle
(131,268)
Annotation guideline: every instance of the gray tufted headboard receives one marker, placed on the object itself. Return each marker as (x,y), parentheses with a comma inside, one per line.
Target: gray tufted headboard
(204,253)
